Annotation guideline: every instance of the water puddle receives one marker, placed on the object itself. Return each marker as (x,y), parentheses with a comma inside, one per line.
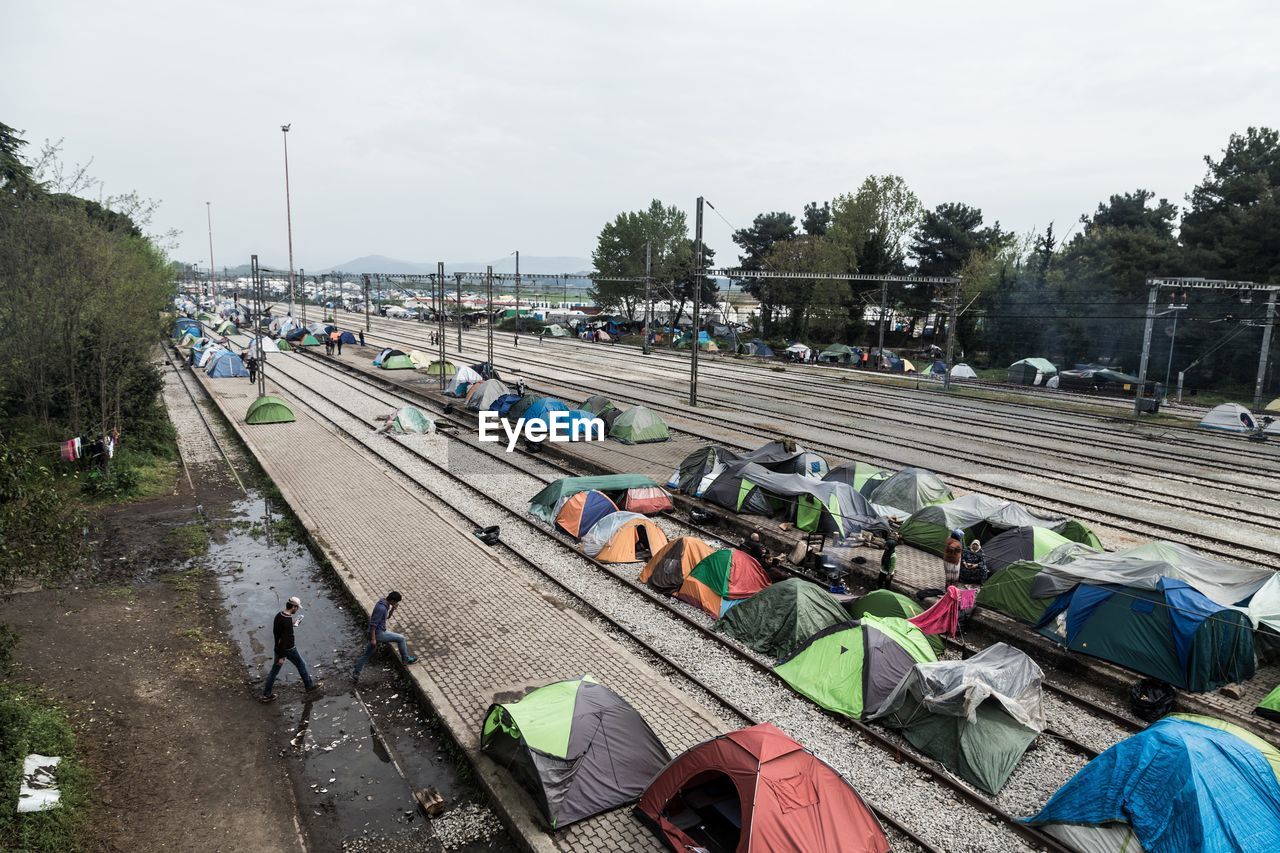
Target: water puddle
(347,746)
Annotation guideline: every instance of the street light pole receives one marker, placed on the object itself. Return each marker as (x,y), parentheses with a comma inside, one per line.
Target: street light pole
(1168,367)
(697,305)
(208,210)
(440,321)
(648,293)
(458,282)
(488,277)
(518,324)
(288,209)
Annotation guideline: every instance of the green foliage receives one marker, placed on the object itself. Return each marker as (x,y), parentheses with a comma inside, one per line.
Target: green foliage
(39,532)
(620,251)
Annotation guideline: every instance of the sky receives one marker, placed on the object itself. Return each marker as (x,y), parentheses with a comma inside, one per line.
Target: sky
(461,131)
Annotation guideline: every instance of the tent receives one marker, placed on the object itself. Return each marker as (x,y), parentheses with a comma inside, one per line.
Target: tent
(183,325)
(575,421)
(486,370)
(623,537)
(519,407)
(1031,371)
(504,404)
(438,368)
(1273,406)
(901,365)
(1173,632)
(700,468)
(886,602)
(758,348)
(863,477)
(226,365)
(639,425)
(603,337)
(258,346)
(385,354)
(348,338)
(1229,417)
(578,512)
(579,748)
(462,380)
(409,420)
(758,791)
(813,505)
(268,410)
(667,569)
(1269,707)
(975,716)
(283,346)
(555,330)
(397,362)
(543,505)
(911,490)
(838,354)
(777,619)
(647,500)
(1188,782)
(800,352)
(981,517)
(963,371)
(851,668)
(938,368)
(295,334)
(720,579)
(308,340)
(419,358)
(226,327)
(1021,543)
(596,404)
(482,395)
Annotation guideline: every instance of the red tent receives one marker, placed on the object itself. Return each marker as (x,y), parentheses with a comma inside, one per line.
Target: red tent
(758,790)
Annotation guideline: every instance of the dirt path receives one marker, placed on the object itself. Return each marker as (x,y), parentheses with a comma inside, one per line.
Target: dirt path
(180,760)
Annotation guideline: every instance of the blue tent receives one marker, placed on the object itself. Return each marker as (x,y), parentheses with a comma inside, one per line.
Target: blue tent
(939,368)
(578,513)
(760,348)
(226,365)
(542,408)
(503,404)
(296,334)
(1185,783)
(183,324)
(348,338)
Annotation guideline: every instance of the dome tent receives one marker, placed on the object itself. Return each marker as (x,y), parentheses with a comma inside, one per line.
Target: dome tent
(483,394)
(756,790)
(409,420)
(579,748)
(623,537)
(777,619)
(883,603)
(963,371)
(268,410)
(1229,417)
(398,361)
(578,513)
(639,425)
(911,490)
(863,477)
(463,379)
(667,569)
(226,365)
(1021,543)
(722,578)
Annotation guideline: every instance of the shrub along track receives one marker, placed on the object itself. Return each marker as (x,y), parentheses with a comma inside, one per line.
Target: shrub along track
(1257,531)
(306,393)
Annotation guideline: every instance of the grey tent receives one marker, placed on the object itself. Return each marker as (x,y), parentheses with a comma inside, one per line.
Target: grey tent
(982,517)
(597,404)
(910,490)
(1031,371)
(814,505)
(976,716)
(577,746)
(483,395)
(782,616)
(864,477)
(700,468)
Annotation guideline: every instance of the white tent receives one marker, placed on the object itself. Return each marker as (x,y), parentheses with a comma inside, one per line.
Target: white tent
(963,371)
(1228,418)
(799,349)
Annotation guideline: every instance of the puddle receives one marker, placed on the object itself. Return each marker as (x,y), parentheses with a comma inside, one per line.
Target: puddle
(344,743)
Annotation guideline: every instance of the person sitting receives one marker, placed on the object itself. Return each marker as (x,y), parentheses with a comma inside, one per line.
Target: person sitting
(973,564)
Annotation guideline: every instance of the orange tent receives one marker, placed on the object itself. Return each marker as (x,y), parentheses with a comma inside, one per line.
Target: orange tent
(623,537)
(579,512)
(667,569)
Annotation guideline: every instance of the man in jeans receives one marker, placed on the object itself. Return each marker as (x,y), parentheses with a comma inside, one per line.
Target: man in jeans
(378,633)
(286,620)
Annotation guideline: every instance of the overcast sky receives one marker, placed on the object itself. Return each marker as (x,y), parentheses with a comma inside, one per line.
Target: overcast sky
(461,131)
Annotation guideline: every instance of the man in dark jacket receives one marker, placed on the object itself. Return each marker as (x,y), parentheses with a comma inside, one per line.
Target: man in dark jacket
(378,633)
(286,620)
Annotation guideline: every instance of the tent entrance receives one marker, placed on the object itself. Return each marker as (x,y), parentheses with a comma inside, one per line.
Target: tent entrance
(709,811)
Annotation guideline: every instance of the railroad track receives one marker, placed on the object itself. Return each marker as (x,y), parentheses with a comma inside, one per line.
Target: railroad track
(184,380)
(1125,524)
(867,733)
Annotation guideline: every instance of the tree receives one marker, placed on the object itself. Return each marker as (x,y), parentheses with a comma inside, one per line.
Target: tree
(817,219)
(757,242)
(620,251)
(686,284)
(15,175)
(948,235)
(813,306)
(871,226)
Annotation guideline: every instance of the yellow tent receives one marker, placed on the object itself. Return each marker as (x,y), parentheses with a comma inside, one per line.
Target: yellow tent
(1273,406)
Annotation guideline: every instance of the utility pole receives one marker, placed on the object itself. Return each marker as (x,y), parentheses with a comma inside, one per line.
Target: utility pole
(518,323)
(952,325)
(648,293)
(488,277)
(1146,346)
(458,281)
(366,302)
(256,278)
(302,278)
(213,276)
(1266,347)
(440,320)
(884,308)
(288,209)
(697,304)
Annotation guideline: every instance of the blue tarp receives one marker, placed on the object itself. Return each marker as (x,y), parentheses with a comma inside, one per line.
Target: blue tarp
(760,348)
(1181,786)
(503,404)
(348,338)
(225,365)
(544,406)
(183,324)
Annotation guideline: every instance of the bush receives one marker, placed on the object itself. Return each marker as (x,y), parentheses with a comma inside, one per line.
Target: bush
(26,726)
(121,482)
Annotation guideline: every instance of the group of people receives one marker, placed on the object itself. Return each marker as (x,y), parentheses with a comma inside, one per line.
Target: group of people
(286,649)
(963,564)
(333,341)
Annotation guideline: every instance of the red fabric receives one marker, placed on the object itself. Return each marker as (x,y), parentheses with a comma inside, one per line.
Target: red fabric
(647,500)
(791,802)
(944,616)
(746,577)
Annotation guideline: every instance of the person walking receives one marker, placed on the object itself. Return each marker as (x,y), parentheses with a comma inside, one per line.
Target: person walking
(378,633)
(328,345)
(520,386)
(362,337)
(951,556)
(282,628)
(251,364)
(337,340)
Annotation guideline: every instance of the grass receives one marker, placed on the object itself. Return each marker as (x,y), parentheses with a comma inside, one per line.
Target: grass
(186,584)
(31,723)
(191,540)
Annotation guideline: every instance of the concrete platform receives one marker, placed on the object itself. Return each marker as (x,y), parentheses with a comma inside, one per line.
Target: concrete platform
(477,624)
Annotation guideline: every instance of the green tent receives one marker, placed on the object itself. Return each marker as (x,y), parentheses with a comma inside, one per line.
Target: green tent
(309,340)
(1269,707)
(1009,591)
(841,353)
(409,420)
(1024,372)
(776,620)
(639,425)
(976,716)
(555,330)
(851,668)
(886,602)
(543,505)
(597,405)
(1021,543)
(911,490)
(397,362)
(269,410)
(206,317)
(862,476)
(577,747)
(981,517)
(283,346)
(435,369)
(226,328)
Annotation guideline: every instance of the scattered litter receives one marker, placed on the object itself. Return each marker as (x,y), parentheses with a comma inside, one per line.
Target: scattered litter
(38,791)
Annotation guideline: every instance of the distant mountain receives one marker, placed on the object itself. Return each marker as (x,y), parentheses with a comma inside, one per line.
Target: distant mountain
(529,264)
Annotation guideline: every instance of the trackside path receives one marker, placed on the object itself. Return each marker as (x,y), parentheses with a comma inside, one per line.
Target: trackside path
(478,627)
